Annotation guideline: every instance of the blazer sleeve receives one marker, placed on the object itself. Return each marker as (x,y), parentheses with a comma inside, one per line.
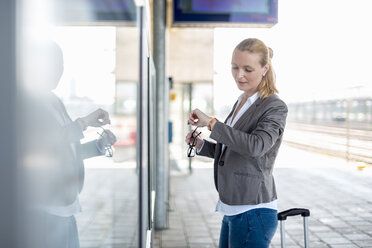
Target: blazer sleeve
(72,132)
(208,149)
(88,150)
(269,128)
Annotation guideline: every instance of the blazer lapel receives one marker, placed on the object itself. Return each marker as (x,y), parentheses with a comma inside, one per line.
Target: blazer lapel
(219,145)
(246,117)
(232,111)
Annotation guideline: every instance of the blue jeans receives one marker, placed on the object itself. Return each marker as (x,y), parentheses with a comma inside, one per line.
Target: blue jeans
(254,229)
(61,232)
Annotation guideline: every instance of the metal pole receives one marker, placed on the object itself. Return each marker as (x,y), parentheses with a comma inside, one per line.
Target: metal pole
(8,166)
(348,103)
(149,140)
(282,233)
(190,109)
(140,133)
(306,232)
(162,96)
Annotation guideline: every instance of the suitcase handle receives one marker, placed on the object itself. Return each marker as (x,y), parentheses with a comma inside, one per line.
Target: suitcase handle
(293,212)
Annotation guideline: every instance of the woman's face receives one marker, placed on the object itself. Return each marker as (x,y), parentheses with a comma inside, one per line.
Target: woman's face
(247,71)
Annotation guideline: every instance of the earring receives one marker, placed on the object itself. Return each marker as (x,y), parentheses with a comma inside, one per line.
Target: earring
(263,75)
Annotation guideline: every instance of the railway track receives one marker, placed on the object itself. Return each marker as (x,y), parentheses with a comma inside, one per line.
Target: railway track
(352,144)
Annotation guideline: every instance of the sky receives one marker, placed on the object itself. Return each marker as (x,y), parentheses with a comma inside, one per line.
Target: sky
(322,48)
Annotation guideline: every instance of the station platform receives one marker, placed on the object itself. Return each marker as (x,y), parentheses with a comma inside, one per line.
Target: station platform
(338,194)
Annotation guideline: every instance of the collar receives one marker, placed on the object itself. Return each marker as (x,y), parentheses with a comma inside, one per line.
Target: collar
(250,99)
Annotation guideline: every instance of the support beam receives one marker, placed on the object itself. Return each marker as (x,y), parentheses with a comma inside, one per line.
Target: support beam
(162,95)
(8,164)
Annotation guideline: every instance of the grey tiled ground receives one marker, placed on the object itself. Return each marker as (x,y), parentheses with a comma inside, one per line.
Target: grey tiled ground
(338,195)
(109,202)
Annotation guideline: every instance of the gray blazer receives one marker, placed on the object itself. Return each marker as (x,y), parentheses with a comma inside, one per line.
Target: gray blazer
(243,171)
(72,176)
(58,139)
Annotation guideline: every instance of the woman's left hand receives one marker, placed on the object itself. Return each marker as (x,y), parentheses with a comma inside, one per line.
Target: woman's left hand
(107,139)
(198,118)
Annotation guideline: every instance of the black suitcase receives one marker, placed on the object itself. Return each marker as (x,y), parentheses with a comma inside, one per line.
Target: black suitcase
(282,216)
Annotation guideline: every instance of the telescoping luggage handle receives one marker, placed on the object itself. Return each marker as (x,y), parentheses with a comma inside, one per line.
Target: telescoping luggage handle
(282,216)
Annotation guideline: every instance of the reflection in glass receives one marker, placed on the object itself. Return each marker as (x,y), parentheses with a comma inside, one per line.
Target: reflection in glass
(109,196)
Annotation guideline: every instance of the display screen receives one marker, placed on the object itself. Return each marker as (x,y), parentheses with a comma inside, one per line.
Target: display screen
(222,11)
(113,9)
(223,6)
(93,11)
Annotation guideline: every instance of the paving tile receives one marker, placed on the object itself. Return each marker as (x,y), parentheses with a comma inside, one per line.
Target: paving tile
(174,244)
(326,228)
(340,201)
(200,240)
(165,238)
(336,241)
(198,245)
(345,246)
(353,237)
(363,243)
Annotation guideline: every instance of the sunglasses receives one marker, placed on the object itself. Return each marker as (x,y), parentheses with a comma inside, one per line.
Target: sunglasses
(191,152)
(109,152)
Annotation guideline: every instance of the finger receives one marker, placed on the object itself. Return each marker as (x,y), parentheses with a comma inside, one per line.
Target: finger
(104,122)
(103,116)
(109,132)
(194,122)
(193,115)
(106,115)
(111,136)
(187,139)
(191,122)
(191,119)
(113,139)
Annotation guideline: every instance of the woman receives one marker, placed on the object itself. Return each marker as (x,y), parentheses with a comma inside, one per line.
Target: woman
(247,145)
(56,177)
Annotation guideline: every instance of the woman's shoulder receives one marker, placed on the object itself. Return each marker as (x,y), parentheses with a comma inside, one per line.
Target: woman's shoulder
(273,100)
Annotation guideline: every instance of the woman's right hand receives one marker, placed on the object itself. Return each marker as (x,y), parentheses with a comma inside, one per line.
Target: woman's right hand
(189,139)
(107,139)
(97,118)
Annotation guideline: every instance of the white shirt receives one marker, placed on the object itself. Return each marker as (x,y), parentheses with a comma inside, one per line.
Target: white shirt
(75,207)
(238,209)
(65,211)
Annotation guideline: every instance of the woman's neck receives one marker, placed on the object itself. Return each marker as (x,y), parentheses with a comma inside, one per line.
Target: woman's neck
(248,95)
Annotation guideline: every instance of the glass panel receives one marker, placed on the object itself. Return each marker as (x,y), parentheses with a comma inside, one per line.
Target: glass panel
(185,98)
(73,80)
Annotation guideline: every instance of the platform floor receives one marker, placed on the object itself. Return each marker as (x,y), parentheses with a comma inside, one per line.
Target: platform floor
(338,195)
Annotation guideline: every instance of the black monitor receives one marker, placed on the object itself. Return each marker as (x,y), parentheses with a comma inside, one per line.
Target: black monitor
(225,12)
(94,11)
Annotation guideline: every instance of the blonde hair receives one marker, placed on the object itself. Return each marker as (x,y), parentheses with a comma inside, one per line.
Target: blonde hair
(266,87)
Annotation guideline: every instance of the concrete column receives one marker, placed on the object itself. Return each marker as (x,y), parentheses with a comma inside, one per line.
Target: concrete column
(8,164)
(162,95)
